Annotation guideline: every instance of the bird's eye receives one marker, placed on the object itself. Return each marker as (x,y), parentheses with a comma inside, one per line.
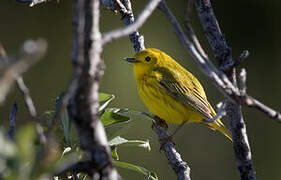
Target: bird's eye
(147,58)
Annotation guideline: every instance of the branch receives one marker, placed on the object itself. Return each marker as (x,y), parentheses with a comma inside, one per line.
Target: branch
(31,108)
(12,68)
(12,118)
(84,103)
(223,55)
(190,31)
(128,18)
(131,27)
(179,166)
(32,2)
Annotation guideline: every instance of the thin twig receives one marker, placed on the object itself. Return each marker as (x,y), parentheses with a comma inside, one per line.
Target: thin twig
(191,32)
(35,2)
(12,118)
(235,62)
(129,29)
(254,103)
(13,67)
(220,113)
(31,108)
(26,96)
(243,78)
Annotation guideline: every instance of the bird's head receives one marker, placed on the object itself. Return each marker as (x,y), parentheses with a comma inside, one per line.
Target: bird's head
(145,60)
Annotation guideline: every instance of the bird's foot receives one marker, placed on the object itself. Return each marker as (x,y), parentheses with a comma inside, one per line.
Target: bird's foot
(161,122)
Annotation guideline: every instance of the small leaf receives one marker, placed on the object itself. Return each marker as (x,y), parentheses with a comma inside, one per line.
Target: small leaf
(65,119)
(66,125)
(136,115)
(114,153)
(66,150)
(149,174)
(111,116)
(104,100)
(117,141)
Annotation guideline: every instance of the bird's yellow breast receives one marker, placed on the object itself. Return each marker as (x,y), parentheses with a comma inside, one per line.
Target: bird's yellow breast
(163,105)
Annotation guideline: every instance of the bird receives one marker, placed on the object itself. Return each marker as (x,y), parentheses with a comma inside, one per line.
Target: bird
(170,92)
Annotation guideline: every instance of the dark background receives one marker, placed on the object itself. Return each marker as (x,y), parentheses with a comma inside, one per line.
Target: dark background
(252,25)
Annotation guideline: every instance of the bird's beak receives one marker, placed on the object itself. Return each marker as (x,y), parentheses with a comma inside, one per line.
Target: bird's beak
(131,60)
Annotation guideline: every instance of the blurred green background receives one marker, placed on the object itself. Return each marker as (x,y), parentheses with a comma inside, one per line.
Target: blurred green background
(252,25)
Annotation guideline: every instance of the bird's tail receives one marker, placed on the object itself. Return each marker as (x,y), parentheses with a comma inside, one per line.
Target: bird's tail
(218,125)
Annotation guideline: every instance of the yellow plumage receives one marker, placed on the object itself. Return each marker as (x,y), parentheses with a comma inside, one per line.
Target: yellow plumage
(171,92)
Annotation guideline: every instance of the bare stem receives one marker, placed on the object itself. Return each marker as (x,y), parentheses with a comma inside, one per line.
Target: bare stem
(131,27)
(84,102)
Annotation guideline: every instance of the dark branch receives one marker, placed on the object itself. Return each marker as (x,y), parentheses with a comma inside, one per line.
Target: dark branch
(213,33)
(131,25)
(222,53)
(235,62)
(12,118)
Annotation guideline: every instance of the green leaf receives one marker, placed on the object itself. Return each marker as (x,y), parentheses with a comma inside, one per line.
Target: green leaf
(104,100)
(114,153)
(136,115)
(118,141)
(114,122)
(111,116)
(25,138)
(65,120)
(66,125)
(149,174)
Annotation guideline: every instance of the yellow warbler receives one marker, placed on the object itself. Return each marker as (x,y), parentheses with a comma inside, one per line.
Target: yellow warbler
(171,92)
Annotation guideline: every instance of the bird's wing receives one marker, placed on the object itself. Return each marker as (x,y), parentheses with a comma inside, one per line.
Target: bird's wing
(185,88)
